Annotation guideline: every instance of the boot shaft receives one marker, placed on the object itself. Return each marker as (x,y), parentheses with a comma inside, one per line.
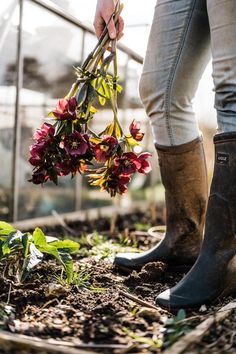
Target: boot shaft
(184,176)
(220,232)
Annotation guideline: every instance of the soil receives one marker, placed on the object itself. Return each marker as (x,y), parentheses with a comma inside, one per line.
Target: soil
(97,311)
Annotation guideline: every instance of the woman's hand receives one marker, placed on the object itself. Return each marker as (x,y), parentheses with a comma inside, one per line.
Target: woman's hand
(104,10)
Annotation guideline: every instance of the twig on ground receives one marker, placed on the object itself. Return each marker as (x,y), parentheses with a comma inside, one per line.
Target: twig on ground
(139,301)
(11,341)
(9,293)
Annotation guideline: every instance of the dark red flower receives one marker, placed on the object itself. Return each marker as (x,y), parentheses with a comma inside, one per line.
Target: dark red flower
(35,160)
(105,148)
(63,167)
(45,131)
(134,129)
(66,109)
(116,183)
(145,165)
(128,163)
(38,149)
(76,144)
(39,177)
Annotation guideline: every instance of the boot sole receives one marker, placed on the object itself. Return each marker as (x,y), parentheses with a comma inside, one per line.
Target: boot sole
(195,308)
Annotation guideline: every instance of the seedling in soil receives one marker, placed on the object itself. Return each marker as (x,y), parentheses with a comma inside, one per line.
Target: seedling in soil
(142,227)
(175,327)
(101,247)
(138,339)
(80,277)
(21,252)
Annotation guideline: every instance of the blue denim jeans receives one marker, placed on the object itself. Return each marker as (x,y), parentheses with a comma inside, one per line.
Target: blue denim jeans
(183,36)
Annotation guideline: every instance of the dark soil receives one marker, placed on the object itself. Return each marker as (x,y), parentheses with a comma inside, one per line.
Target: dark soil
(95,310)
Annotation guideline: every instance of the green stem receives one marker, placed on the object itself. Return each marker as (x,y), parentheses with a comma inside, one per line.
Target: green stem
(103,40)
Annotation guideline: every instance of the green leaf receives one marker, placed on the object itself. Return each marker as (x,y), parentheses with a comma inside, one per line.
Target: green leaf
(82,94)
(103,92)
(34,258)
(119,88)
(12,242)
(49,249)
(26,243)
(109,129)
(66,246)
(181,315)
(59,127)
(131,142)
(5,225)
(68,265)
(95,140)
(92,93)
(50,115)
(5,228)
(39,238)
(118,132)
(102,100)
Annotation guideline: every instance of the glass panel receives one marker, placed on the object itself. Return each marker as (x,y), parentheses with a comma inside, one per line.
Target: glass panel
(8,44)
(137,16)
(51,47)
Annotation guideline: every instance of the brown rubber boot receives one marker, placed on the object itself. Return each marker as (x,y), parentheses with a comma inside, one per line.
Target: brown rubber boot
(214,273)
(183,172)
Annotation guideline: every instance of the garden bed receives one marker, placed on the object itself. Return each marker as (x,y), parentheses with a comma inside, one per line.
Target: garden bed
(103,310)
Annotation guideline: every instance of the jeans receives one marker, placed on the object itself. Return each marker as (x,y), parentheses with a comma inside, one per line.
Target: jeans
(184,34)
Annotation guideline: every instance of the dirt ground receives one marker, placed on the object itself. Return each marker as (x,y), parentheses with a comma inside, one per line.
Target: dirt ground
(97,311)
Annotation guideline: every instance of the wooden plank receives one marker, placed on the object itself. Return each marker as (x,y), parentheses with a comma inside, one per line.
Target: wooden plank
(21,342)
(198,333)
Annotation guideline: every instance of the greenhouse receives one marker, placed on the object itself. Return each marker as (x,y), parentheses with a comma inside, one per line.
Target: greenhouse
(117,211)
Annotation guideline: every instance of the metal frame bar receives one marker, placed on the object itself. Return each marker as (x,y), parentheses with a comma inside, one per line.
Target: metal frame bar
(17,124)
(19,79)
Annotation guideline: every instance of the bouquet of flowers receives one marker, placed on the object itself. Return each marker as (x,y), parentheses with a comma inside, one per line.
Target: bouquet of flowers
(68,145)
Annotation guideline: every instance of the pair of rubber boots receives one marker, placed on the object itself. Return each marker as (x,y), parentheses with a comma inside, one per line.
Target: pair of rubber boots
(184,176)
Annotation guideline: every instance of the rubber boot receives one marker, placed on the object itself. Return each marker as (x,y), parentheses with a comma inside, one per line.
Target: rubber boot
(214,273)
(183,173)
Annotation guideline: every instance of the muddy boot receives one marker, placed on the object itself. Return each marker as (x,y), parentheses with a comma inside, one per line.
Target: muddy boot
(183,173)
(214,273)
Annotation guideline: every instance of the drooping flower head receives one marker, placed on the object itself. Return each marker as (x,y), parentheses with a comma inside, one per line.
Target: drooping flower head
(127,164)
(117,184)
(40,176)
(71,165)
(134,129)
(145,165)
(46,131)
(38,149)
(66,109)
(105,148)
(76,144)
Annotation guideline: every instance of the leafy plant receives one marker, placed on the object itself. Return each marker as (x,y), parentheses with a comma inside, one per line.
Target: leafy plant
(175,327)
(21,252)
(69,145)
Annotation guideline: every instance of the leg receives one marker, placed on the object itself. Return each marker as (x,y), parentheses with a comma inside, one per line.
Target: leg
(177,53)
(179,34)
(222,15)
(214,273)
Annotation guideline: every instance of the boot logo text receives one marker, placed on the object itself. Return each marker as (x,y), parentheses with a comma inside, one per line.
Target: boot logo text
(222,158)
